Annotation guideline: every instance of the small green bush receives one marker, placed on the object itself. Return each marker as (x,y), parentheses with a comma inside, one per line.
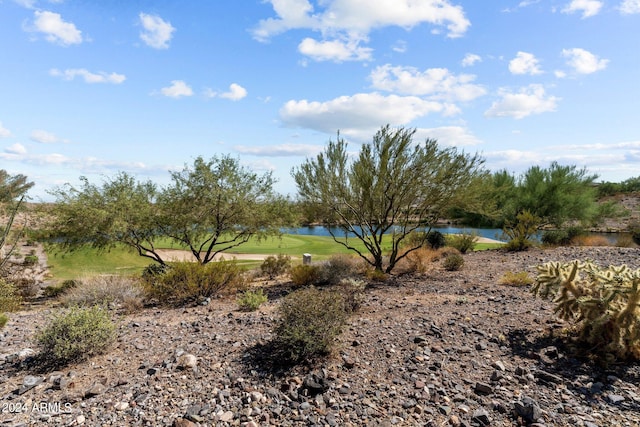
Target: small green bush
(154,270)
(520,278)
(453,262)
(10,299)
(30,260)
(76,335)
(275,266)
(337,268)
(305,275)
(308,322)
(110,290)
(191,282)
(463,242)
(519,234)
(3,320)
(251,300)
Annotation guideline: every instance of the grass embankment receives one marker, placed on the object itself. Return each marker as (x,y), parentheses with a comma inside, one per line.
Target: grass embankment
(120,260)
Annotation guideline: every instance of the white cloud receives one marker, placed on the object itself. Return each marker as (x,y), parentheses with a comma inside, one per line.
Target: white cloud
(89,77)
(56,30)
(334,50)
(363,111)
(470,59)
(235,93)
(156,32)
(16,149)
(448,135)
(353,20)
(281,150)
(44,137)
(529,100)
(177,89)
(630,7)
(524,63)
(584,62)
(437,83)
(4,132)
(587,7)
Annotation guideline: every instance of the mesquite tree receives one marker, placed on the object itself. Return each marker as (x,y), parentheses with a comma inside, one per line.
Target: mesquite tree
(393,187)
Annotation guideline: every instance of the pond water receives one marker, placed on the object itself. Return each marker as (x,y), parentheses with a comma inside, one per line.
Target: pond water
(319,230)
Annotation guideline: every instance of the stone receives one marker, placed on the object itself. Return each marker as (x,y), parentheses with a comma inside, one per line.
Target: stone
(615,398)
(528,409)
(481,416)
(187,361)
(483,388)
(548,377)
(181,422)
(95,390)
(121,406)
(29,382)
(226,416)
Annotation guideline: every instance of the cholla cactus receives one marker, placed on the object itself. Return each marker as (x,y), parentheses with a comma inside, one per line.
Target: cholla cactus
(604,303)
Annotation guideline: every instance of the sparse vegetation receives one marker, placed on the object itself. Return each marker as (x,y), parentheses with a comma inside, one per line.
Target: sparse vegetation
(309,320)
(105,290)
(463,242)
(191,282)
(305,275)
(273,266)
(76,335)
(453,262)
(337,268)
(520,278)
(251,300)
(519,234)
(53,291)
(10,299)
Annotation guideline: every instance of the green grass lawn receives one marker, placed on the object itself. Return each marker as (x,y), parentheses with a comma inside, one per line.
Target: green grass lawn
(120,260)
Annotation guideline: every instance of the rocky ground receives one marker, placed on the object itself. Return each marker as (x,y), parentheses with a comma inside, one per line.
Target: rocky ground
(437,349)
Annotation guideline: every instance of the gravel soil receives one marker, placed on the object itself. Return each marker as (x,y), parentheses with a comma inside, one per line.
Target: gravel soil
(435,349)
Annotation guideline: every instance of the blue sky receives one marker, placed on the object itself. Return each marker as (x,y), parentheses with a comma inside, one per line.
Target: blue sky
(90,88)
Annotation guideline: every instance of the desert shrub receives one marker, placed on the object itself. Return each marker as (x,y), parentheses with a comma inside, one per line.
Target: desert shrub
(305,275)
(562,237)
(414,239)
(376,275)
(10,299)
(519,234)
(308,322)
(27,287)
(251,300)
(602,303)
(435,239)
(53,291)
(419,260)
(555,237)
(337,268)
(106,290)
(586,240)
(152,271)
(30,260)
(76,335)
(463,242)
(521,278)
(191,282)
(352,291)
(3,320)
(274,266)
(453,262)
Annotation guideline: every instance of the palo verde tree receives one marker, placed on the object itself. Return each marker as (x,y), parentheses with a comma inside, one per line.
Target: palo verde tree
(394,186)
(217,205)
(122,211)
(210,207)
